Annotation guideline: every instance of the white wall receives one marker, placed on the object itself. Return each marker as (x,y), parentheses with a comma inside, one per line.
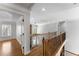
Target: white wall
(26,32)
(62,26)
(18,33)
(51,27)
(19,28)
(72,36)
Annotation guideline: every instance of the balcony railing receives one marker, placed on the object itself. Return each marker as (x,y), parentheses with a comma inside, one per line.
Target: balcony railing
(47,44)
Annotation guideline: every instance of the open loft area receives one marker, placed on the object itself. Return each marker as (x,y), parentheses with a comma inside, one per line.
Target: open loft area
(39,29)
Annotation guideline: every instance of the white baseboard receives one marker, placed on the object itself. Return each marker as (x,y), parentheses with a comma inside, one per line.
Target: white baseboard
(25,53)
(2,39)
(18,41)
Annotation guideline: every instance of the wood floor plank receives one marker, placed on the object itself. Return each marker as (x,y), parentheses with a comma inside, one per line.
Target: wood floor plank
(10,48)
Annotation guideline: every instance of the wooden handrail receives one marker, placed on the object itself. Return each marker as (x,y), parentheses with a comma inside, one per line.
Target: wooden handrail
(40,34)
(49,47)
(52,45)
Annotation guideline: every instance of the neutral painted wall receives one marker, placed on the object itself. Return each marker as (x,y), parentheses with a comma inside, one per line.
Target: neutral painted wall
(18,33)
(19,28)
(72,36)
(26,33)
(51,27)
(62,26)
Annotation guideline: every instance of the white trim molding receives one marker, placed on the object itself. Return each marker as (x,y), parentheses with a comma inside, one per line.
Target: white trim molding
(13,8)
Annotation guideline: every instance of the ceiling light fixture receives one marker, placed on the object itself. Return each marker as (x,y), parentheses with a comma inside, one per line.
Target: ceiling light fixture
(74,3)
(43,9)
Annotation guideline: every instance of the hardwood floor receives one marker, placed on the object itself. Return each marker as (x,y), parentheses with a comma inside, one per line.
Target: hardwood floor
(10,48)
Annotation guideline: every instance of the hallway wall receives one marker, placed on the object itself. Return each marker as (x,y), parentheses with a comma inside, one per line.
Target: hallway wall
(51,27)
(72,37)
(19,30)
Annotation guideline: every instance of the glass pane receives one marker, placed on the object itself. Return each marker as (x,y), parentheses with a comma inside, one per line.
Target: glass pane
(6,30)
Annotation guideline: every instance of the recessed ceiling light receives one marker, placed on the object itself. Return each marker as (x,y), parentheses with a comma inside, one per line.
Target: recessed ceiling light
(74,3)
(43,9)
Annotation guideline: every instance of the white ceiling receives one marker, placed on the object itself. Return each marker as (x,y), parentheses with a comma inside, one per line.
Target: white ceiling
(39,16)
(8,16)
(13,11)
(25,5)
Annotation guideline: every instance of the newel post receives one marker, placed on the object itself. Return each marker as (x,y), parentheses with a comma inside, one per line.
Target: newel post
(43,41)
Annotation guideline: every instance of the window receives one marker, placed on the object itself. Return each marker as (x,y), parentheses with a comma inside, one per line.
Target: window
(6,30)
